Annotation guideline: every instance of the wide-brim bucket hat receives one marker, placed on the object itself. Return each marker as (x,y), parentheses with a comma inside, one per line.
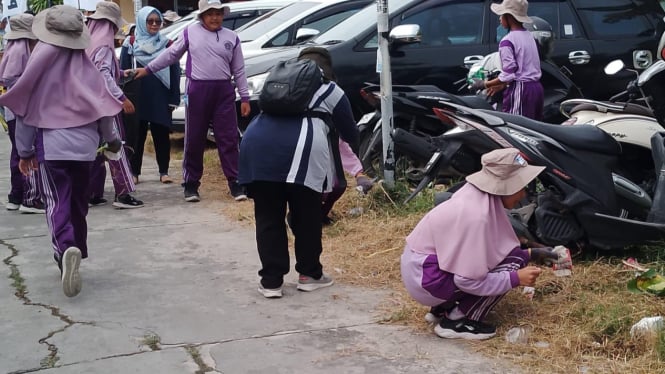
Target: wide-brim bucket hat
(110,11)
(205,5)
(20,27)
(504,173)
(516,8)
(171,16)
(62,26)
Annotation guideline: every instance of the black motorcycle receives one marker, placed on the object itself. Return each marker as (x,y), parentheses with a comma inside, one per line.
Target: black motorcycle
(577,201)
(412,112)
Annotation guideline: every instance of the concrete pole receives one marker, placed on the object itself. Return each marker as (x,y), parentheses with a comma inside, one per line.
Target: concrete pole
(383,67)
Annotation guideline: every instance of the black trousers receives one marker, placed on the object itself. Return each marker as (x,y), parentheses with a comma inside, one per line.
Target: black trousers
(304,204)
(162,143)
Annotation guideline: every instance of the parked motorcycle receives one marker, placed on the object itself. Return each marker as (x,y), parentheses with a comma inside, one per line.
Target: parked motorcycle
(578,201)
(631,117)
(412,105)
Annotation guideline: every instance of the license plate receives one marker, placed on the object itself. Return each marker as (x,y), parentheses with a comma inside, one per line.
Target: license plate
(366,118)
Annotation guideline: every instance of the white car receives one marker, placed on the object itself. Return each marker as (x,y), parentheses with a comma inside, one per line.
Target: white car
(295,23)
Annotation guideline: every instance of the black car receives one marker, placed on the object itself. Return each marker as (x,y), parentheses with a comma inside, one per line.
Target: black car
(589,34)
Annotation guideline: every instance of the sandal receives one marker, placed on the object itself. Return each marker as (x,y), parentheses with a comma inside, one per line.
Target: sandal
(165,179)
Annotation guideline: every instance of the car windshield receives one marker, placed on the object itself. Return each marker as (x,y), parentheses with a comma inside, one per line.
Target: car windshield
(173,31)
(350,27)
(271,20)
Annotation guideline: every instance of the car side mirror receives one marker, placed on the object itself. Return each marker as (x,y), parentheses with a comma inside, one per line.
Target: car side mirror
(405,34)
(305,33)
(614,67)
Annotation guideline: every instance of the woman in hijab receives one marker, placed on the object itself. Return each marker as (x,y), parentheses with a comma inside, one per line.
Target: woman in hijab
(103,26)
(463,255)
(158,95)
(24,195)
(59,117)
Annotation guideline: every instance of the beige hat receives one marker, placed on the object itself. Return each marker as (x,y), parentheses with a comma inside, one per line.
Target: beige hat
(170,15)
(62,26)
(504,172)
(516,8)
(110,11)
(20,27)
(205,5)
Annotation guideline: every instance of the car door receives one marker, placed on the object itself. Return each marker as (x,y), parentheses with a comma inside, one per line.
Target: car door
(321,20)
(452,32)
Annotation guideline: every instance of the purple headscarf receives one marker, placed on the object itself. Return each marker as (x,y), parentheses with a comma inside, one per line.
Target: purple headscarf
(60,88)
(102,35)
(470,233)
(14,60)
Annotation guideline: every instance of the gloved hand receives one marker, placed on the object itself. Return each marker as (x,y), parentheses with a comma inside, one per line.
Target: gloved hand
(363,183)
(543,256)
(476,85)
(114,146)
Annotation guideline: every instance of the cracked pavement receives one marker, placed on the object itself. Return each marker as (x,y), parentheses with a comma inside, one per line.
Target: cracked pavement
(171,288)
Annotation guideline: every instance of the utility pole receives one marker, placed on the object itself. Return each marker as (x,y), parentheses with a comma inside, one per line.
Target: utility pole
(386,82)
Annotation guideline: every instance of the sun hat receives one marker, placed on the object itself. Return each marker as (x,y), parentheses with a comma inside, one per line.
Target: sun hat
(62,26)
(20,27)
(110,11)
(171,16)
(504,172)
(516,8)
(205,5)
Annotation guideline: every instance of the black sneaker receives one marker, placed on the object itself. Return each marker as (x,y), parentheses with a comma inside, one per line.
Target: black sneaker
(192,194)
(127,201)
(464,328)
(436,313)
(97,201)
(237,191)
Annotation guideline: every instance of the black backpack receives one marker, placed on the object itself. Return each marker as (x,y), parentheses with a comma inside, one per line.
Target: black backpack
(289,87)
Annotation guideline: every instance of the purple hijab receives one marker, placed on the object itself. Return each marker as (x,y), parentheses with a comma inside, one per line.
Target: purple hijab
(470,233)
(102,35)
(14,60)
(60,88)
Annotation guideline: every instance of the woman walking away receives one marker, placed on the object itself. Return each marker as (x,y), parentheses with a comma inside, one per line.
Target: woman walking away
(520,63)
(280,172)
(157,96)
(463,256)
(215,56)
(103,26)
(60,137)
(24,195)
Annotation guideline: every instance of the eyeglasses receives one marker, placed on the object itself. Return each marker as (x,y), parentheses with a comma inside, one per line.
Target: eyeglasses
(153,22)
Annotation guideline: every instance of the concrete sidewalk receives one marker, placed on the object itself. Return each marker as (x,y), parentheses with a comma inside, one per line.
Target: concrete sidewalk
(171,288)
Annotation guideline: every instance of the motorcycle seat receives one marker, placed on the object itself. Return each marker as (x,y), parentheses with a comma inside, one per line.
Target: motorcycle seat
(473,101)
(610,107)
(585,137)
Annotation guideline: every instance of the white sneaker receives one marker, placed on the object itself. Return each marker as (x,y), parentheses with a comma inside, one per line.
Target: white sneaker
(12,206)
(71,279)
(35,209)
(270,293)
(307,284)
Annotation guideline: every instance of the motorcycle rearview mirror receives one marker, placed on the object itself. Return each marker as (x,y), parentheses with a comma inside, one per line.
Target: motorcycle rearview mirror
(614,67)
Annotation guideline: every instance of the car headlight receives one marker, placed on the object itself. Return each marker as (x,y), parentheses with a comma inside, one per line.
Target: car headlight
(255,84)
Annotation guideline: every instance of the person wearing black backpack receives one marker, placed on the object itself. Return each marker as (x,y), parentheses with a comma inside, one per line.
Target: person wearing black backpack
(286,159)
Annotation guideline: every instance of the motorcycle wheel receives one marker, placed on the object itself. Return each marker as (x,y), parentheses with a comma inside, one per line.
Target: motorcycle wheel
(406,168)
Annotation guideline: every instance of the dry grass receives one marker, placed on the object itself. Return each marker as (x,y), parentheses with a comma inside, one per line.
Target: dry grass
(577,324)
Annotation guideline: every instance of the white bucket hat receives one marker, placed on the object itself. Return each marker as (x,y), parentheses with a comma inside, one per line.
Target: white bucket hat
(171,16)
(516,8)
(62,26)
(205,5)
(504,172)
(110,11)
(20,27)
